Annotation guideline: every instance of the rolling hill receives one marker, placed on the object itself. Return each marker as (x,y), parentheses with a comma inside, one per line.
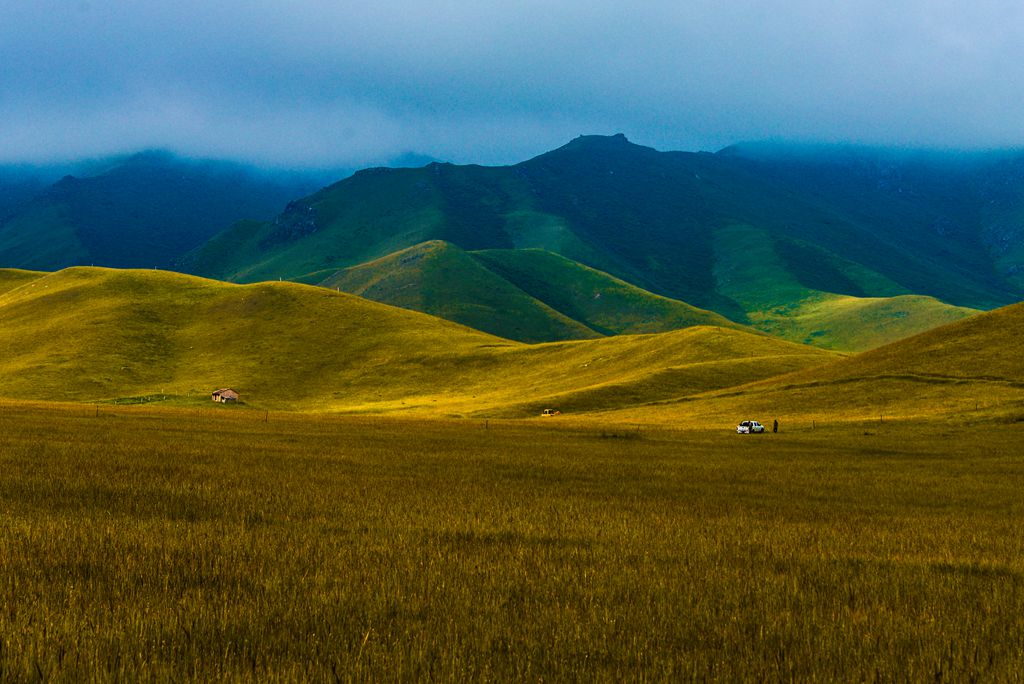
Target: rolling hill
(532,295)
(442,280)
(92,334)
(602,302)
(11,278)
(965,371)
(528,295)
(845,249)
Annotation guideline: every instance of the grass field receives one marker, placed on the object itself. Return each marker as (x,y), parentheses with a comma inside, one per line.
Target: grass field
(92,334)
(204,545)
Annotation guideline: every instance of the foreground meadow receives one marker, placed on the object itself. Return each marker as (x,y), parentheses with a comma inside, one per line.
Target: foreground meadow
(205,545)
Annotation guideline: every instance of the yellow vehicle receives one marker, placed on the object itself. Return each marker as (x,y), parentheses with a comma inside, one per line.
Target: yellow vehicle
(546,413)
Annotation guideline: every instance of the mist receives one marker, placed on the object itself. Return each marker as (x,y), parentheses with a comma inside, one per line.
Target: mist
(320,84)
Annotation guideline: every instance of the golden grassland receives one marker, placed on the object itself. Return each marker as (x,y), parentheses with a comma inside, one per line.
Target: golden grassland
(878,536)
(143,543)
(91,334)
(11,278)
(967,371)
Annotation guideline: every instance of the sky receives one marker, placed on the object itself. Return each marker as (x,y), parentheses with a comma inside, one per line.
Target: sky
(318,83)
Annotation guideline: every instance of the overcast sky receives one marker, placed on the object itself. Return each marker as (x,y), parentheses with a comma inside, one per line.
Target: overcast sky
(333,82)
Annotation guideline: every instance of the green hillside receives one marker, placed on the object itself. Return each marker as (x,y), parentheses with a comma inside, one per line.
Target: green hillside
(141,211)
(529,295)
(765,238)
(809,245)
(856,323)
(960,210)
(775,283)
(533,295)
(988,346)
(90,334)
(442,280)
(656,220)
(600,301)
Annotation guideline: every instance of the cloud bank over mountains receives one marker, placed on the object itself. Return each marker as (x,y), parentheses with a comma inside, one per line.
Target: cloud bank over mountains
(320,82)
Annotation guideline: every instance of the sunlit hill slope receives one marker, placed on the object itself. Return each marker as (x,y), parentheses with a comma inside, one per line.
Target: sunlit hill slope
(90,334)
(965,371)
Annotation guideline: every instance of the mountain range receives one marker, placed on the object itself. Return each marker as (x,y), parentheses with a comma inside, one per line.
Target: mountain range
(144,210)
(842,248)
(809,244)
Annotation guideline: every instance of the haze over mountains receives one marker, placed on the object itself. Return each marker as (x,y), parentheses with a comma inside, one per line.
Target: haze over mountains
(142,210)
(841,248)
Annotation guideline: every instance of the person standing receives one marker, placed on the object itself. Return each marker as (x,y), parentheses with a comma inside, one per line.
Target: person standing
(775,425)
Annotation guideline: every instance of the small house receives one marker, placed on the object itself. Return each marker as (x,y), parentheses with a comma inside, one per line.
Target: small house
(225,395)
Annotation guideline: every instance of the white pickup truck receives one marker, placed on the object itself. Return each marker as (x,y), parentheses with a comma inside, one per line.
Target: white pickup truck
(749,427)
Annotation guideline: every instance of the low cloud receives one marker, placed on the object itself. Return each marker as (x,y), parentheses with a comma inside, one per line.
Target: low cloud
(317,82)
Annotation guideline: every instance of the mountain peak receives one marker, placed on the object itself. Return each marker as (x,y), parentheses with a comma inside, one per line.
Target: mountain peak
(603,145)
(600,142)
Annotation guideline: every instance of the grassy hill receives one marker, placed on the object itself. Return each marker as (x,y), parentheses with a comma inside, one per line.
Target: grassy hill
(964,372)
(848,323)
(529,295)
(988,346)
(808,245)
(877,225)
(770,239)
(88,334)
(141,211)
(533,295)
(443,280)
(11,278)
(600,301)
(92,334)
(775,283)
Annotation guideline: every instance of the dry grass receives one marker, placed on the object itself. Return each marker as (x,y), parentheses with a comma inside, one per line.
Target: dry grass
(186,545)
(87,334)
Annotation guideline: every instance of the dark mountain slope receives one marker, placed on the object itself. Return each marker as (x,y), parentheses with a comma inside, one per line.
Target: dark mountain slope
(145,210)
(669,222)
(902,214)
(19,184)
